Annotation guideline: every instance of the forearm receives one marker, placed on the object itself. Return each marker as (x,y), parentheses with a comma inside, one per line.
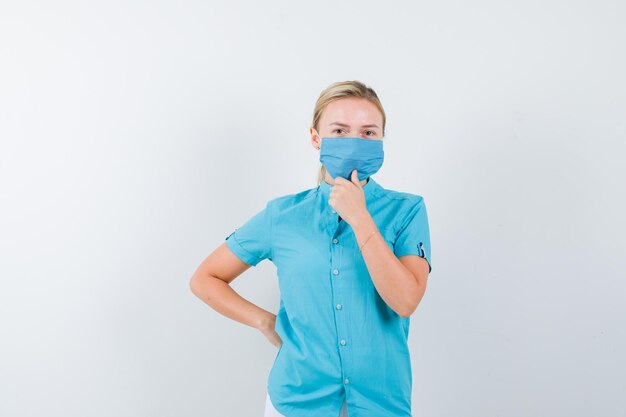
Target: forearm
(394,282)
(220,296)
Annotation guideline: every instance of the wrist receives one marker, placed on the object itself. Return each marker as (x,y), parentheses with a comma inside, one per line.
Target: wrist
(266,321)
(363,221)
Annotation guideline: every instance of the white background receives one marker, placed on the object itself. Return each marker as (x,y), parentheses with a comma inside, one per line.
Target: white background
(135,136)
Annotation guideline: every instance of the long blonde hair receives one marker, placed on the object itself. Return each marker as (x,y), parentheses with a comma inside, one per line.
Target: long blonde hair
(339,90)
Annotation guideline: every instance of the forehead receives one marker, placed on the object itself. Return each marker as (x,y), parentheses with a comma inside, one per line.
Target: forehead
(353,111)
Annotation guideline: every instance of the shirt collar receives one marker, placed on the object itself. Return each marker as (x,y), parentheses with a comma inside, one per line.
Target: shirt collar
(369,189)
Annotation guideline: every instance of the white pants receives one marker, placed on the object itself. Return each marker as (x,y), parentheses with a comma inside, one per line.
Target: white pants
(270,411)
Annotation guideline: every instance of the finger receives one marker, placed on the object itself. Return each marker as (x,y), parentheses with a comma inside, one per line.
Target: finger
(355,179)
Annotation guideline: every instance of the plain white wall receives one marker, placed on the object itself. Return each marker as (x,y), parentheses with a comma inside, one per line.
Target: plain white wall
(135,136)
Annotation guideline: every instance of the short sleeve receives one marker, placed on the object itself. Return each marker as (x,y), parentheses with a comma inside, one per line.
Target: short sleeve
(251,242)
(413,236)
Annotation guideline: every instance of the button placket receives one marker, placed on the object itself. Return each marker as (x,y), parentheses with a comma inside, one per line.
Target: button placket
(337,252)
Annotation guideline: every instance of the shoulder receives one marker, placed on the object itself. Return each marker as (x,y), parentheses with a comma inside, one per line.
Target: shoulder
(405,205)
(405,198)
(286,201)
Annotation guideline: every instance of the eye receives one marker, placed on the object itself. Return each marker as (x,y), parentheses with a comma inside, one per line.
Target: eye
(373,133)
(337,129)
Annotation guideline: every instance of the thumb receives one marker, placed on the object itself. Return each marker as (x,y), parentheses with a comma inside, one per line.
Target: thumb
(355,179)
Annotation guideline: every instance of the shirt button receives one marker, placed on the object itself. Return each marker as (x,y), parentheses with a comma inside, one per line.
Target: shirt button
(335,271)
(335,241)
(338,306)
(345,381)
(343,342)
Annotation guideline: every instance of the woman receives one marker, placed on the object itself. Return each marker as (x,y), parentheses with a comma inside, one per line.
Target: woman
(352,260)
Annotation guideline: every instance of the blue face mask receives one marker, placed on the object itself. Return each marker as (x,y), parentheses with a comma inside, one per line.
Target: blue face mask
(340,156)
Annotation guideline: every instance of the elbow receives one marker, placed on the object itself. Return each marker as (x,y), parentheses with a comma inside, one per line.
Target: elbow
(203,285)
(411,305)
(196,283)
(409,308)
(406,312)
(193,285)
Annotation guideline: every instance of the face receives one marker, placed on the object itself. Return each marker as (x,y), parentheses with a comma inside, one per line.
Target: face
(349,117)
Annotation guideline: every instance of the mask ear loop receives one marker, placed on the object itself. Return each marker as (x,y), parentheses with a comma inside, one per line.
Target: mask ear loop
(319,136)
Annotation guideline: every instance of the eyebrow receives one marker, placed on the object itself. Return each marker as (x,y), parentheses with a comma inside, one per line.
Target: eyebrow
(345,125)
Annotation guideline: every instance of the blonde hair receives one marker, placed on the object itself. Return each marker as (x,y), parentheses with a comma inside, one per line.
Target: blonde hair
(337,91)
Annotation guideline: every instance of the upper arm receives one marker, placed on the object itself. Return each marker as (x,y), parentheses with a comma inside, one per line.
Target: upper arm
(252,241)
(244,247)
(418,266)
(413,238)
(222,264)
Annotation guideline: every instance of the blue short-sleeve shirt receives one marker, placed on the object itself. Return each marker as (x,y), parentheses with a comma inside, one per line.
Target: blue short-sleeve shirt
(340,339)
